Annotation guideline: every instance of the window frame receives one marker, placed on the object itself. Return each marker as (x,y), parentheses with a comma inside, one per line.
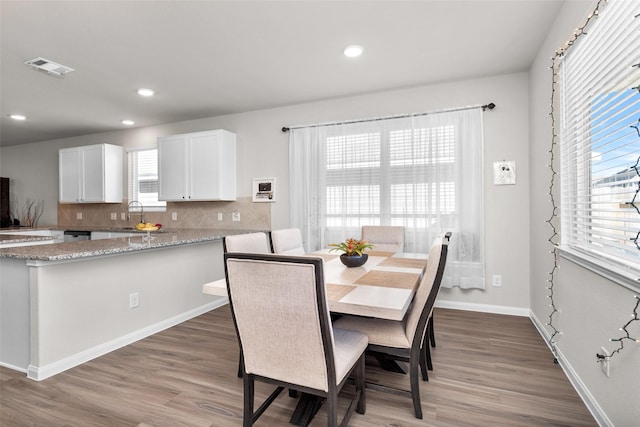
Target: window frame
(588,234)
(160,205)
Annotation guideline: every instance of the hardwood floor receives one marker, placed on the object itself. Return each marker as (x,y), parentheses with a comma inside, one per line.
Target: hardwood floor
(489,370)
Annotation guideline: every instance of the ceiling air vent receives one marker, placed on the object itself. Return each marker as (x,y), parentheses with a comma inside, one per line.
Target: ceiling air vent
(49,67)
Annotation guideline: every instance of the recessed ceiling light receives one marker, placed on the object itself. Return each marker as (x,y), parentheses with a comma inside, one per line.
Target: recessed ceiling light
(146,92)
(353,51)
(18,117)
(128,122)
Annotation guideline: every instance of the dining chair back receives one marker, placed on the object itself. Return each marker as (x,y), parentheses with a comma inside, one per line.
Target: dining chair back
(280,312)
(427,291)
(256,243)
(401,340)
(385,238)
(287,241)
(429,337)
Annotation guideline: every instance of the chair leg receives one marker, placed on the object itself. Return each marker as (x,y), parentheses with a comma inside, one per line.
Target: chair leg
(425,360)
(428,354)
(415,387)
(332,407)
(240,366)
(248,401)
(361,386)
(432,335)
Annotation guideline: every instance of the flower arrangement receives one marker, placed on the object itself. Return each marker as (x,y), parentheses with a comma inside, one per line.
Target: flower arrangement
(351,246)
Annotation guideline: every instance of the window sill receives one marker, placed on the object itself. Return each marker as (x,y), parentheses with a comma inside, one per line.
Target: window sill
(623,276)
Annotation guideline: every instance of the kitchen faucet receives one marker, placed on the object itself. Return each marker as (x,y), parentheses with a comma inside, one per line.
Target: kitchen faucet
(134,203)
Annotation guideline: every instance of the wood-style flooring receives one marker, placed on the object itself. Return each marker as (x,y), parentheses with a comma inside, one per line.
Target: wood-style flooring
(489,370)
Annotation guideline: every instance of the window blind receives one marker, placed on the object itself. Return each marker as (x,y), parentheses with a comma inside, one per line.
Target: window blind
(599,80)
(422,172)
(143,178)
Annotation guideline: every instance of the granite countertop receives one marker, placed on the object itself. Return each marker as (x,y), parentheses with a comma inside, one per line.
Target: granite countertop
(17,238)
(90,248)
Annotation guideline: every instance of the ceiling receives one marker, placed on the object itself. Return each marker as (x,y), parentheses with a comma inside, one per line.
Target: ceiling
(210,58)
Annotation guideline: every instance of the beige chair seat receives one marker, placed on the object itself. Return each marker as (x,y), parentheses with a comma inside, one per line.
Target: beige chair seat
(348,345)
(389,333)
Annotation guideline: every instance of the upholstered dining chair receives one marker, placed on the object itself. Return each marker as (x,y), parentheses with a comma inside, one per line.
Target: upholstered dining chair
(402,340)
(255,243)
(287,241)
(385,238)
(281,316)
(430,336)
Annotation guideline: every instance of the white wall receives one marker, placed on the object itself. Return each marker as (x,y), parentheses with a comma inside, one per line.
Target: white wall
(592,309)
(263,151)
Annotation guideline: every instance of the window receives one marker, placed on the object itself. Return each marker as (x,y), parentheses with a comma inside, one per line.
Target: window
(599,82)
(422,172)
(143,179)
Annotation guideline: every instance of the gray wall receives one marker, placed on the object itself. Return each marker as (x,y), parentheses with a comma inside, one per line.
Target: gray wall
(263,151)
(592,309)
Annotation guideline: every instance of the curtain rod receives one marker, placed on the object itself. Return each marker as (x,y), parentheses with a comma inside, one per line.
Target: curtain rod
(489,106)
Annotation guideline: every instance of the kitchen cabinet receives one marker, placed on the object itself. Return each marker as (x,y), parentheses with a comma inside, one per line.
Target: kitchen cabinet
(91,174)
(197,166)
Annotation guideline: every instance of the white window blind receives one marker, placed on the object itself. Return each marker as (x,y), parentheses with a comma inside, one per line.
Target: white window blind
(422,172)
(143,179)
(599,80)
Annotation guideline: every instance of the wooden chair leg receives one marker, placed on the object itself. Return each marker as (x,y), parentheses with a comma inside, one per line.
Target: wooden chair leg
(248,401)
(361,386)
(332,408)
(415,387)
(432,335)
(428,354)
(240,364)
(425,360)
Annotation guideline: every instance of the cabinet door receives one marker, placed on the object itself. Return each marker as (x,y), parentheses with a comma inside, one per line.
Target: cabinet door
(204,173)
(70,174)
(93,174)
(172,168)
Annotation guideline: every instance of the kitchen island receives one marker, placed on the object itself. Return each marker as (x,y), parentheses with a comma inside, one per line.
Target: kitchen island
(63,304)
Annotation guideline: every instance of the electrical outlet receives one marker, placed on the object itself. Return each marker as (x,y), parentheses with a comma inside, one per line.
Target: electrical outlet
(236,216)
(78,215)
(496,280)
(174,216)
(604,363)
(114,216)
(134,300)
(123,216)
(219,216)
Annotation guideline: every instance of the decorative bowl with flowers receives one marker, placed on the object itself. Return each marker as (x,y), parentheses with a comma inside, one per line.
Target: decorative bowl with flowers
(353,249)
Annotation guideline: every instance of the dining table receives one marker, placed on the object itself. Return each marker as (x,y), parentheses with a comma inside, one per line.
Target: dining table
(382,288)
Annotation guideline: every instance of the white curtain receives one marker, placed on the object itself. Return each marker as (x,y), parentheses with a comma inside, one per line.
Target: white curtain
(423,172)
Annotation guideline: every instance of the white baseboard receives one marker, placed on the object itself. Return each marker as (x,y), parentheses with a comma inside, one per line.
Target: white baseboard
(40,373)
(590,402)
(484,308)
(13,367)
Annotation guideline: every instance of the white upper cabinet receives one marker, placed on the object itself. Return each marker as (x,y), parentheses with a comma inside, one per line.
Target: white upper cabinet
(91,174)
(197,166)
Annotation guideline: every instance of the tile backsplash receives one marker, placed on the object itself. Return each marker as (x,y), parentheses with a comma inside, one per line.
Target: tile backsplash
(253,216)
